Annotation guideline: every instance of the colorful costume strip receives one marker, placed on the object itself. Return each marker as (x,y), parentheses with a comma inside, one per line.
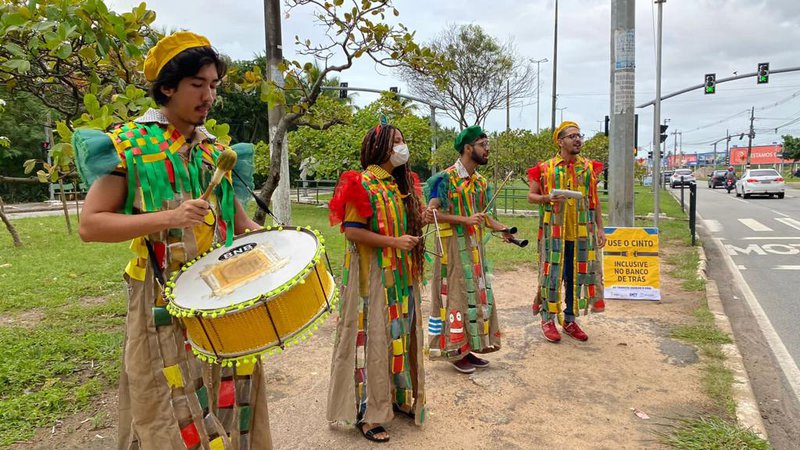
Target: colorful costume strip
(461,289)
(379,311)
(168,399)
(571,220)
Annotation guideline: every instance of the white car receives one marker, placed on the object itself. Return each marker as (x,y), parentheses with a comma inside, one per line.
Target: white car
(687,177)
(760,182)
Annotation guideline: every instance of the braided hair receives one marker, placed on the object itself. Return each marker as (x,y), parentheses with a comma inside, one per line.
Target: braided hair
(375,150)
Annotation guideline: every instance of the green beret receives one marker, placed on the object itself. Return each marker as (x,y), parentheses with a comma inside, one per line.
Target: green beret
(468,136)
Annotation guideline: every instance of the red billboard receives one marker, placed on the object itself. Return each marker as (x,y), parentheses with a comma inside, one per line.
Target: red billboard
(760,154)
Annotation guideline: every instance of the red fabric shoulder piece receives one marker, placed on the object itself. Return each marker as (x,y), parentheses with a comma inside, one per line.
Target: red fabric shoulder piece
(417,185)
(535,173)
(597,167)
(349,190)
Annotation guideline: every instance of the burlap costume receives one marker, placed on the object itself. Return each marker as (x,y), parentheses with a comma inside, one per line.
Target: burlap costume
(167,398)
(570,220)
(378,351)
(463,311)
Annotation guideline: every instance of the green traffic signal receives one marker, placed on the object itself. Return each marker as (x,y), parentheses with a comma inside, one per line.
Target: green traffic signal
(711,83)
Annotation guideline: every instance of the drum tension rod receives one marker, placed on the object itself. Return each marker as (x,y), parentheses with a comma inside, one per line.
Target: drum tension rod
(214,349)
(322,286)
(274,328)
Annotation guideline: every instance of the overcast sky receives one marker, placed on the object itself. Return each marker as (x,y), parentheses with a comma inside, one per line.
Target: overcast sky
(700,36)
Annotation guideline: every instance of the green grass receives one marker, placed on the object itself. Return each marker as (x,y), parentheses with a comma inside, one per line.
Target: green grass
(712,433)
(64,346)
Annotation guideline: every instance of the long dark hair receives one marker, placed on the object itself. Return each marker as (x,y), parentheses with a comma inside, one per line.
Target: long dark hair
(375,150)
(185,64)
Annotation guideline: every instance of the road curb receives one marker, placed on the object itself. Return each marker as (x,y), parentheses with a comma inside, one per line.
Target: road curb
(747,412)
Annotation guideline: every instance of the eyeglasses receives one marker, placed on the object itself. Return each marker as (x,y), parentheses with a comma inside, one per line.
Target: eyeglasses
(574,136)
(484,144)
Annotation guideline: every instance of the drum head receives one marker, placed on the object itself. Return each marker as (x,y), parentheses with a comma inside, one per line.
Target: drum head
(255,264)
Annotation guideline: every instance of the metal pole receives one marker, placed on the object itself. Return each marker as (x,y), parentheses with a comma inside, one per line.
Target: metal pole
(622,127)
(750,137)
(727,147)
(555,69)
(538,89)
(657,116)
(281,202)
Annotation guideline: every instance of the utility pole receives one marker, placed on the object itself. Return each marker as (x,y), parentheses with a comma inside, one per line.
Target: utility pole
(280,202)
(555,70)
(727,147)
(538,89)
(657,119)
(750,137)
(622,128)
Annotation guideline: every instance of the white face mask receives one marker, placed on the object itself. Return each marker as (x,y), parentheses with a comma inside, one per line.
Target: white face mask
(400,155)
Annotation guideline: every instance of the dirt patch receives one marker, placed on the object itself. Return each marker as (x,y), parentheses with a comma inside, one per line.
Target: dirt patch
(24,319)
(534,394)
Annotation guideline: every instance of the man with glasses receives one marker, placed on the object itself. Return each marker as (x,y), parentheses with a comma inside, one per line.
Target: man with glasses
(463,317)
(570,234)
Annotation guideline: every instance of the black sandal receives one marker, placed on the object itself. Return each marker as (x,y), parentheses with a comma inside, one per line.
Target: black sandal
(399,410)
(370,434)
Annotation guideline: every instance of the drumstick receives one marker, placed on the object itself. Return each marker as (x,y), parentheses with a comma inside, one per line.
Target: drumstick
(488,205)
(225,163)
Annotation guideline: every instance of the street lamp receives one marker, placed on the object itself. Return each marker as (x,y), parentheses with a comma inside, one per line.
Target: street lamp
(562,112)
(555,66)
(538,87)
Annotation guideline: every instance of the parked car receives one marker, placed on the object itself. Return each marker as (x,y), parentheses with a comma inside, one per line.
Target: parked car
(681,176)
(717,178)
(665,177)
(760,182)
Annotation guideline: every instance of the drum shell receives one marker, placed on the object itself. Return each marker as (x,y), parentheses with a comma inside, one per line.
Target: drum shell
(267,323)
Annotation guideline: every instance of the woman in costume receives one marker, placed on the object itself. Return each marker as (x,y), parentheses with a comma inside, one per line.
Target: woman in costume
(146,178)
(377,357)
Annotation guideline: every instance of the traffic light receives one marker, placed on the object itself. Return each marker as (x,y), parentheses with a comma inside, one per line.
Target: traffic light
(711,83)
(664,132)
(343,91)
(394,90)
(650,154)
(763,73)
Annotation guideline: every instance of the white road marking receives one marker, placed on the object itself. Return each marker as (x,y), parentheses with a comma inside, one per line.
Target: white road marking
(741,267)
(754,225)
(784,359)
(790,222)
(714,226)
(771,238)
(787,267)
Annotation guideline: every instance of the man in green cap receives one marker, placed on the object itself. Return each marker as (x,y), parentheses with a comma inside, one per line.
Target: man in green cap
(463,317)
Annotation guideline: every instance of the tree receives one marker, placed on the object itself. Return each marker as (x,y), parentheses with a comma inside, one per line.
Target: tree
(59,51)
(352,33)
(791,147)
(485,74)
(4,143)
(338,148)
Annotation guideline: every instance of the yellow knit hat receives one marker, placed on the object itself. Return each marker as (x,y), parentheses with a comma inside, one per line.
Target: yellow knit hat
(562,127)
(169,47)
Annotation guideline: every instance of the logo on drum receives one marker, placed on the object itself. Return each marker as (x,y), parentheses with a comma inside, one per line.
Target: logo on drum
(242,249)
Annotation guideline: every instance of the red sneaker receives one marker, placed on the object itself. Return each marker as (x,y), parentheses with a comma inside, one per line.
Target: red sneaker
(574,331)
(550,331)
(599,306)
(535,309)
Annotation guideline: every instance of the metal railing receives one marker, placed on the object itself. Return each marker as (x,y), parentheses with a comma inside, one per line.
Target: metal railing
(313,191)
